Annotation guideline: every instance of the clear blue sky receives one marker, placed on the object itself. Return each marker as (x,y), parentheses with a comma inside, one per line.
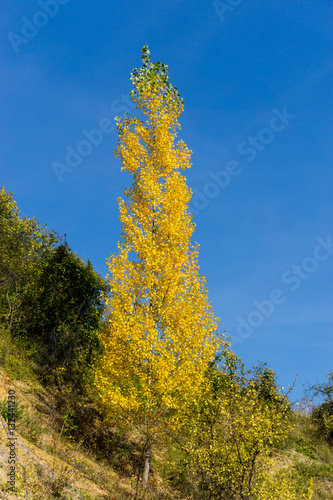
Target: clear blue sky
(256,77)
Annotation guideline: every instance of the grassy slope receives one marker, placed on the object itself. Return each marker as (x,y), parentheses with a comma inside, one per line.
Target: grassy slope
(51,465)
(311,456)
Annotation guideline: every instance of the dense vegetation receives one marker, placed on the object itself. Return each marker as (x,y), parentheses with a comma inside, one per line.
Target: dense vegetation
(131,369)
(51,301)
(232,442)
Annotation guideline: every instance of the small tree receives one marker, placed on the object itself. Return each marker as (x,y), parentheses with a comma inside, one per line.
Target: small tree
(229,432)
(322,415)
(162,331)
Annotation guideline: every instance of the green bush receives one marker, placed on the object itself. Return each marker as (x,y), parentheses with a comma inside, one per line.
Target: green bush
(323,418)
(19,410)
(322,415)
(51,301)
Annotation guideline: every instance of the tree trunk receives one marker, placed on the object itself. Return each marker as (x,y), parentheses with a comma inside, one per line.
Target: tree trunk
(146,469)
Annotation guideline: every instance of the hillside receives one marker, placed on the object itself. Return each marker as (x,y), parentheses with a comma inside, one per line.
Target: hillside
(51,463)
(236,437)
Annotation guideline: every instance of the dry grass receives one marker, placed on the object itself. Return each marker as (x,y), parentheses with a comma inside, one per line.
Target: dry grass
(50,465)
(53,463)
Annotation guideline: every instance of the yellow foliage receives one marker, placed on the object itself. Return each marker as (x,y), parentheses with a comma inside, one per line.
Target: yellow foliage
(280,486)
(229,432)
(162,331)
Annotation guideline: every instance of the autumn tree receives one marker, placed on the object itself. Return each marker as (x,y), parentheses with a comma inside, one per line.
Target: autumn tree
(162,331)
(231,430)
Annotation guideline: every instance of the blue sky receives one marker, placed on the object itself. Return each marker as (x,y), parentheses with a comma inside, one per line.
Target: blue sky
(256,78)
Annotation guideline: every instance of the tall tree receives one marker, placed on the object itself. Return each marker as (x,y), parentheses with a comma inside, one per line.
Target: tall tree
(162,331)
